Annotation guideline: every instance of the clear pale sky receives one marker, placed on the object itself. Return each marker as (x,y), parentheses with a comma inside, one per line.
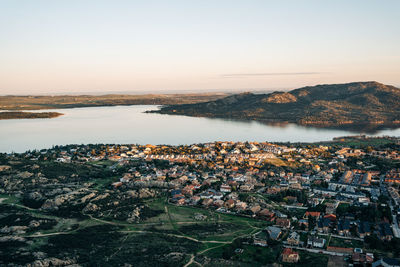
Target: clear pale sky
(104,46)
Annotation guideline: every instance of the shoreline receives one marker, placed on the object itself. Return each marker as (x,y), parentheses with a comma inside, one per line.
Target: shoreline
(369,128)
(15,115)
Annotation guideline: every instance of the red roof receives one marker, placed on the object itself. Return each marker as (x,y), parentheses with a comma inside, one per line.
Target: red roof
(313,213)
(331,217)
(288,251)
(266,212)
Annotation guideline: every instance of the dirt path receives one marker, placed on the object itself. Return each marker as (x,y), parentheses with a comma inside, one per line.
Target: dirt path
(21,206)
(190,261)
(192,256)
(204,251)
(49,234)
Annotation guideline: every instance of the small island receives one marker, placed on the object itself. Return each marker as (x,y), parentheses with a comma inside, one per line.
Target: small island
(8,115)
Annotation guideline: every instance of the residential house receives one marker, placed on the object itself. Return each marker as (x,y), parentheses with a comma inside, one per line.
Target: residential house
(316,242)
(207,202)
(181,201)
(331,217)
(188,190)
(331,207)
(255,209)
(246,187)
(303,223)
(267,214)
(225,188)
(314,201)
(323,225)
(386,262)
(274,232)
(314,214)
(363,229)
(343,227)
(385,232)
(361,259)
(283,222)
(293,239)
(195,200)
(229,204)
(218,195)
(241,205)
(219,203)
(291,199)
(290,256)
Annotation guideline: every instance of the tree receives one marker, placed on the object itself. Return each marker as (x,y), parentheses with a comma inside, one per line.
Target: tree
(311,222)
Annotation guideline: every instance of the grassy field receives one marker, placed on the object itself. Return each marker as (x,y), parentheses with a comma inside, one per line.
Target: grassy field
(216,237)
(258,256)
(345,243)
(312,259)
(6,199)
(101,183)
(215,227)
(357,143)
(261,256)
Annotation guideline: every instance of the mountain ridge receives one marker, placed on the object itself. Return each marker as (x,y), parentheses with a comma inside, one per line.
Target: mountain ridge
(370,105)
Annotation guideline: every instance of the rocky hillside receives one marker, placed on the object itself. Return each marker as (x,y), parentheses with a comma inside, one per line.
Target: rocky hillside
(370,105)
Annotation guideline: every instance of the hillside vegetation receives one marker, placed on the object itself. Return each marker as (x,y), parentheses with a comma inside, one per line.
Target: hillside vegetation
(28,115)
(363,105)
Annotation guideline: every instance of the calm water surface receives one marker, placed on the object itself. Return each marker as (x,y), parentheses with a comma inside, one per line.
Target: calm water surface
(129,125)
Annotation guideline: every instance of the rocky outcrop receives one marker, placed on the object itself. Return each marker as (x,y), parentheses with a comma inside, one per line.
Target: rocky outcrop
(52,262)
(25,175)
(13,229)
(12,238)
(87,197)
(280,98)
(91,207)
(134,216)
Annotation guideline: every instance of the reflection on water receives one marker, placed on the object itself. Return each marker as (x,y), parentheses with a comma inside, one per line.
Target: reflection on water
(129,124)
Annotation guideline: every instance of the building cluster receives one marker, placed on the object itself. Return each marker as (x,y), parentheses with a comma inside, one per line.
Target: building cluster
(304,192)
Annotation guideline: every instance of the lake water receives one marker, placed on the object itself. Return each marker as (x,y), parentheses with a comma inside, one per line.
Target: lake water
(130,125)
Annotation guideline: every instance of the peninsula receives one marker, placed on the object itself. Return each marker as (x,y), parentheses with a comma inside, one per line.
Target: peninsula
(28,115)
(360,105)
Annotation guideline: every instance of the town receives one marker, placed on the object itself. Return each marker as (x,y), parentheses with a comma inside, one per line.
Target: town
(333,203)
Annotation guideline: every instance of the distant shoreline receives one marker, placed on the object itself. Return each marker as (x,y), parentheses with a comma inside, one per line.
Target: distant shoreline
(10,115)
(19,103)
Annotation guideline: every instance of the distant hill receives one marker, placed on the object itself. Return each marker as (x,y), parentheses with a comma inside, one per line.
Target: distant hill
(72,101)
(362,105)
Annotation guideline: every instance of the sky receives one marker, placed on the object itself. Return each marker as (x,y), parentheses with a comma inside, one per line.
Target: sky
(77,46)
